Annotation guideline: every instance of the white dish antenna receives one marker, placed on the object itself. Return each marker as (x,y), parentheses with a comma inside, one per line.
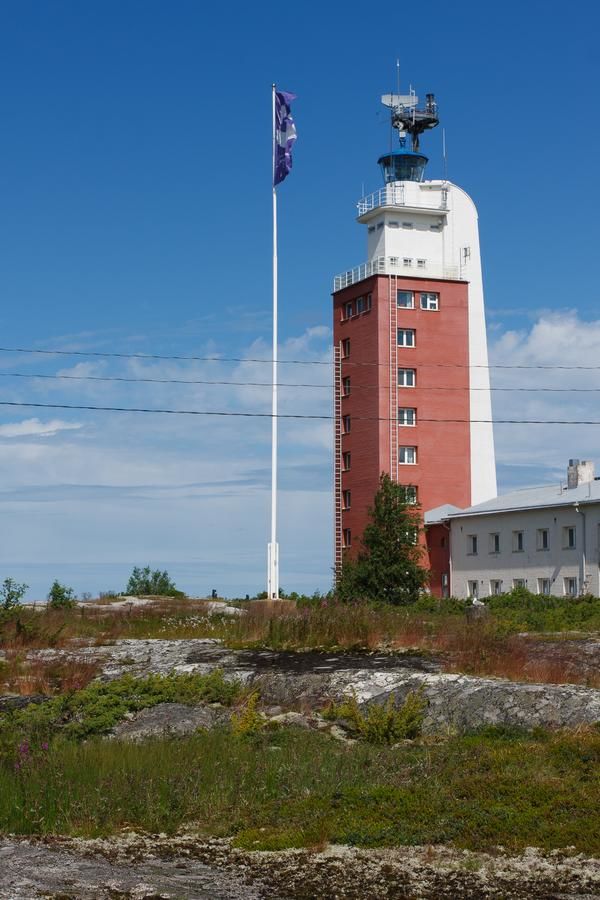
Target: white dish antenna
(395,100)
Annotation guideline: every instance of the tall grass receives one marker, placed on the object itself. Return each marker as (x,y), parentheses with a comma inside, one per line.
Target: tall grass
(296,788)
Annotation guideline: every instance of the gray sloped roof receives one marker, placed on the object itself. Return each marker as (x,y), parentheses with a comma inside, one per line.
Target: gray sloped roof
(440,513)
(528,498)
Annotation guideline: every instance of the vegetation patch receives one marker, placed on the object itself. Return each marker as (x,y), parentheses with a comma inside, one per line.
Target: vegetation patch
(381,723)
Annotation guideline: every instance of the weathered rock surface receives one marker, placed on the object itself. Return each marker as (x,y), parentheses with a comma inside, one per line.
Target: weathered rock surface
(307,680)
(154,867)
(169,720)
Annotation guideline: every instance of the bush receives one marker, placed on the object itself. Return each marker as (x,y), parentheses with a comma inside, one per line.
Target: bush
(61,597)
(11,594)
(382,724)
(147,582)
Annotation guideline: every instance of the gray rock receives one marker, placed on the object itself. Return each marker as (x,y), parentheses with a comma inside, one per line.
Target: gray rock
(15,701)
(174,719)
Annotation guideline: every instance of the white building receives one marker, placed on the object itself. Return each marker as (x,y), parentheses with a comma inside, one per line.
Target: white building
(546,539)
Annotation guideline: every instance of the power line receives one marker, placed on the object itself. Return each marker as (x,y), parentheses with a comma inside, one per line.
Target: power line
(360,387)
(297,362)
(255,415)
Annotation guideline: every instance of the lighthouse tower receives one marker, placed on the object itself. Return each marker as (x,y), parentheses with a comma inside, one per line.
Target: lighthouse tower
(412,383)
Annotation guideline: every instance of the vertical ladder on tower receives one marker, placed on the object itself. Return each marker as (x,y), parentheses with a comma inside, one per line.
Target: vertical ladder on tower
(337,458)
(393,404)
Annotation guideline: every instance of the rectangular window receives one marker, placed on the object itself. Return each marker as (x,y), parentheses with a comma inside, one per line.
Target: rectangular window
(405,299)
(407,416)
(394,224)
(360,305)
(430,301)
(519,583)
(471,545)
(410,494)
(379,225)
(349,310)
(495,587)
(407,261)
(406,337)
(421,263)
(346,424)
(346,386)
(542,538)
(518,541)
(407,456)
(473,588)
(371,229)
(346,538)
(345,348)
(569,537)
(407,377)
(346,460)
(570,587)
(346,499)
(407,224)
(494,542)
(368,302)
(544,586)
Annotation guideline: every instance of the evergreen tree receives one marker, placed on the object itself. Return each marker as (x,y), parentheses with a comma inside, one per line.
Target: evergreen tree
(389,564)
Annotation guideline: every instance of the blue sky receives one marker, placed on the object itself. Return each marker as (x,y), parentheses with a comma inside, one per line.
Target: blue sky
(135,217)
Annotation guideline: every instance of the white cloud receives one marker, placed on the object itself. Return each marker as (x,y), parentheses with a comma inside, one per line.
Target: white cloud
(35,428)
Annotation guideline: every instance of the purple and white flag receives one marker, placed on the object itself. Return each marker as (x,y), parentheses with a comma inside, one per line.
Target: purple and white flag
(285,135)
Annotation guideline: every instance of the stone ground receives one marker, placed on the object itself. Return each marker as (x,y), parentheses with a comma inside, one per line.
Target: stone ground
(307,679)
(155,867)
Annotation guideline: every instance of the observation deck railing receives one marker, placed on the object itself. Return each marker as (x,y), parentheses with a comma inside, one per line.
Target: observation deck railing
(395,265)
(395,195)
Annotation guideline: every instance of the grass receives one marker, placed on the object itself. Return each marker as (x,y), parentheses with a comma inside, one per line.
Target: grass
(298,788)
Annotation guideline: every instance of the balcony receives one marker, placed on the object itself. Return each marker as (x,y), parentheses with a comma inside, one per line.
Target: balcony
(395,195)
(395,265)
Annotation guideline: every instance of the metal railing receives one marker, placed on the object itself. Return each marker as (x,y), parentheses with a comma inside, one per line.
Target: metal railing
(395,195)
(395,265)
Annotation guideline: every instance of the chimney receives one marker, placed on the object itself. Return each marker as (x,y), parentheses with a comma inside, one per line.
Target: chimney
(579,472)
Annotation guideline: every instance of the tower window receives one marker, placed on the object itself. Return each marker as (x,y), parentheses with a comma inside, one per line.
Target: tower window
(430,301)
(405,299)
(346,538)
(360,305)
(379,225)
(346,499)
(394,224)
(407,261)
(421,263)
(371,229)
(406,337)
(407,224)
(346,460)
(346,386)
(349,310)
(407,456)
(346,348)
(346,424)
(407,416)
(410,494)
(407,377)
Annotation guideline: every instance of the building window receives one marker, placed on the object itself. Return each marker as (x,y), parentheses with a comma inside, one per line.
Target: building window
(519,583)
(346,386)
(360,305)
(346,460)
(346,499)
(471,545)
(494,542)
(431,228)
(346,538)
(570,587)
(430,301)
(407,224)
(569,537)
(407,260)
(405,299)
(379,225)
(346,424)
(345,348)
(371,229)
(421,263)
(473,589)
(410,494)
(412,536)
(542,541)
(407,416)
(407,377)
(518,541)
(495,587)
(407,456)
(544,586)
(348,310)
(406,337)
(394,224)
(368,302)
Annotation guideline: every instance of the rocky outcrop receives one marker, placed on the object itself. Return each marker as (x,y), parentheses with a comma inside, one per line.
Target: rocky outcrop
(170,720)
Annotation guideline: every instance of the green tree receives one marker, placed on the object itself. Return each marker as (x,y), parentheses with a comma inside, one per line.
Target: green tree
(388,566)
(157,583)
(11,594)
(61,597)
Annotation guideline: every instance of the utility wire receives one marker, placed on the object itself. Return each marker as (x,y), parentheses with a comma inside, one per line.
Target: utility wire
(255,415)
(354,387)
(297,362)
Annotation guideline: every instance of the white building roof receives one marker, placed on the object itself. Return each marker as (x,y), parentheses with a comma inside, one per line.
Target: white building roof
(527,498)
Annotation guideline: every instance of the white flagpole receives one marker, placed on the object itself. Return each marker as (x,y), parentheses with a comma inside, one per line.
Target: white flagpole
(273,548)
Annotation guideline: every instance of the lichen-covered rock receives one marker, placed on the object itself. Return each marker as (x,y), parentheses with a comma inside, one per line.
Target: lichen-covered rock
(170,719)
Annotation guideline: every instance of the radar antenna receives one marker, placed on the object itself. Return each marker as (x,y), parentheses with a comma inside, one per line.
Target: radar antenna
(407,118)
